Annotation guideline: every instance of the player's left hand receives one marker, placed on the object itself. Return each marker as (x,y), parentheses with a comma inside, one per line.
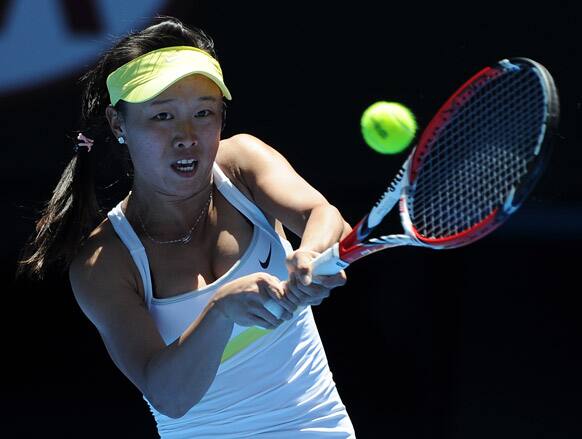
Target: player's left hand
(303,288)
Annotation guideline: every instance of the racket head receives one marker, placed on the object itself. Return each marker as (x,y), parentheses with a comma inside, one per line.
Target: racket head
(481,154)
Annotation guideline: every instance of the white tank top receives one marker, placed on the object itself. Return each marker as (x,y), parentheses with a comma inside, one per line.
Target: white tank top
(270,383)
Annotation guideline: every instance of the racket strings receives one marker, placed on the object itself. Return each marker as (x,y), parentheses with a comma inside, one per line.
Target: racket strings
(479,155)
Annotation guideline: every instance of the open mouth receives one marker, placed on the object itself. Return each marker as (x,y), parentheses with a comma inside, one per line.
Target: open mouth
(185,166)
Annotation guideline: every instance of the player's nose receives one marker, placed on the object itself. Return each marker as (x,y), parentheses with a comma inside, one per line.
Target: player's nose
(186,135)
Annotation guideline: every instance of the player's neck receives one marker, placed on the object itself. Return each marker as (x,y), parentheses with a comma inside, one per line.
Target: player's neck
(166,216)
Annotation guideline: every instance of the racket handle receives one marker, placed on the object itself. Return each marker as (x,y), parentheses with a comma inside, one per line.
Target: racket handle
(328,262)
(276,309)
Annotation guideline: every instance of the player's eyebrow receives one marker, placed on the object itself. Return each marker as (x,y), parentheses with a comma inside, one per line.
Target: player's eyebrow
(201,98)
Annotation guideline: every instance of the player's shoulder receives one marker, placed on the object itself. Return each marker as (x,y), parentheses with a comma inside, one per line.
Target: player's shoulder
(102,262)
(102,239)
(242,151)
(245,141)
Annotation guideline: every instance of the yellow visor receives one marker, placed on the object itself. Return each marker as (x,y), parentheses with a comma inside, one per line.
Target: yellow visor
(148,75)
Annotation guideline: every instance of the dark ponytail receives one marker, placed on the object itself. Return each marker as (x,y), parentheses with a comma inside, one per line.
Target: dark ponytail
(74,209)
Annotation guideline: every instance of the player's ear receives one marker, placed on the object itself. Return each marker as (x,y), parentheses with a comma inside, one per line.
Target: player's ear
(116,120)
(223,115)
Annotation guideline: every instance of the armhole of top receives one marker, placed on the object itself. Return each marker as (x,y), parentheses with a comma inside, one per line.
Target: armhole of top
(135,248)
(241,202)
(246,206)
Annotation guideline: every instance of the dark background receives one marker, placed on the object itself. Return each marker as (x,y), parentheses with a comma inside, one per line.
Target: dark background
(477,342)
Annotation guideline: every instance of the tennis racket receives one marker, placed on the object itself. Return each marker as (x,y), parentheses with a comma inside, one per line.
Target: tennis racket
(473,166)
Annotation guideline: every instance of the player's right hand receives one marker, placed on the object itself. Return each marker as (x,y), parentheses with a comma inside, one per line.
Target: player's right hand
(243,299)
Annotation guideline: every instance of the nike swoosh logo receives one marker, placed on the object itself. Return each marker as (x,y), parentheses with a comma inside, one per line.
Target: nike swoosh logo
(266,263)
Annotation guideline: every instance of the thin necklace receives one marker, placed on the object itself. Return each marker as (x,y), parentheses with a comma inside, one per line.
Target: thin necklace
(185,239)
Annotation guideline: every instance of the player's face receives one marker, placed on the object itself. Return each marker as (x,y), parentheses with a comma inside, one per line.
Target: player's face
(181,123)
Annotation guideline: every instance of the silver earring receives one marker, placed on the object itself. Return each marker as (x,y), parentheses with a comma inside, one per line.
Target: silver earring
(120,139)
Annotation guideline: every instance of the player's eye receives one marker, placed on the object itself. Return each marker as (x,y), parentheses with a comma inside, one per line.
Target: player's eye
(156,117)
(203,113)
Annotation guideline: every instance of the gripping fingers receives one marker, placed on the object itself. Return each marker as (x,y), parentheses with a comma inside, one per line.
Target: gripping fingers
(266,319)
(306,291)
(295,295)
(262,323)
(311,294)
(331,281)
(276,291)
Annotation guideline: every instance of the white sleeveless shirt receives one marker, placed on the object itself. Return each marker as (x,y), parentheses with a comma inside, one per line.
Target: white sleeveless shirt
(271,384)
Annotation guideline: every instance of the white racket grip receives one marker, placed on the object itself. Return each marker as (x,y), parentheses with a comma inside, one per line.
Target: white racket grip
(274,308)
(327,262)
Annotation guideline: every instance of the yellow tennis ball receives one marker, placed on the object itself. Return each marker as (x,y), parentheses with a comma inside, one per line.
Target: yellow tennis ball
(388,127)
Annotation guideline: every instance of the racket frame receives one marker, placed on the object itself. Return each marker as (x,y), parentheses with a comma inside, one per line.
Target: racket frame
(355,245)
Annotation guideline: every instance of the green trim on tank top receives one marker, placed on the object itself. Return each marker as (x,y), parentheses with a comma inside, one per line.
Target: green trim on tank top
(242,341)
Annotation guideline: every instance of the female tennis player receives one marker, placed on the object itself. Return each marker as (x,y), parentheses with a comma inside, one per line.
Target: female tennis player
(176,275)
